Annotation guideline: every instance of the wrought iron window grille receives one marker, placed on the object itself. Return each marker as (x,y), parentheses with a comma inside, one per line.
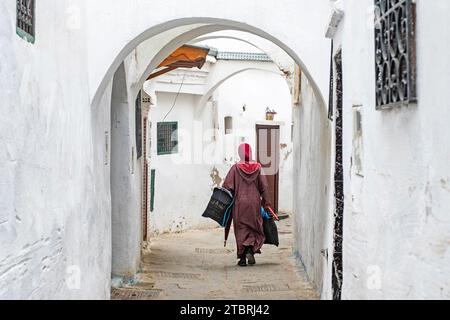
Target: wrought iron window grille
(167,138)
(25,20)
(395,53)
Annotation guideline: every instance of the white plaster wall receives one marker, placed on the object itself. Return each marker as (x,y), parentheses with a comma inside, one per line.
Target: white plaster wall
(397,227)
(54,194)
(313,215)
(125,180)
(183,182)
(52,140)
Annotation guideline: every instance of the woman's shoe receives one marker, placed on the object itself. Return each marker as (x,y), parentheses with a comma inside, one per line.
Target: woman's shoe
(242,262)
(250,256)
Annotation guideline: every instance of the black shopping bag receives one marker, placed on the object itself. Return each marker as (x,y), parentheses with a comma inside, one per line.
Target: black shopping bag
(271,232)
(220,206)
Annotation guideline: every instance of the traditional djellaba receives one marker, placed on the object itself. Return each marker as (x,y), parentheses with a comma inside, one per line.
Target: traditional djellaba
(250,190)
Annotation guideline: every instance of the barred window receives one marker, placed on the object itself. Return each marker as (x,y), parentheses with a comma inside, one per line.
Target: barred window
(25,19)
(395,53)
(167,137)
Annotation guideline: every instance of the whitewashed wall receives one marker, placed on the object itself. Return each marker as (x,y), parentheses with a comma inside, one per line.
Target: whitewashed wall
(397,222)
(312,189)
(55,204)
(54,187)
(182,182)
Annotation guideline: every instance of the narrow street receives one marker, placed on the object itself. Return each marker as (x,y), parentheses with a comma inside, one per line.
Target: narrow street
(195,266)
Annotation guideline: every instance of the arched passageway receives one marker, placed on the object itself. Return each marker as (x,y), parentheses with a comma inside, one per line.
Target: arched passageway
(193,263)
(62,153)
(140,59)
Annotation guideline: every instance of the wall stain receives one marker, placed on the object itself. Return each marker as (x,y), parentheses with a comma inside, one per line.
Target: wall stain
(215,177)
(288,154)
(445,185)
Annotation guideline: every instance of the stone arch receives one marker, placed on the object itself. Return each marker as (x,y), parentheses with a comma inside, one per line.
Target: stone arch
(99,84)
(166,50)
(278,56)
(216,83)
(177,32)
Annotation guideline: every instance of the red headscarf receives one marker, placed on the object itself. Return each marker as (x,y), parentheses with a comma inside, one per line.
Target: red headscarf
(247,164)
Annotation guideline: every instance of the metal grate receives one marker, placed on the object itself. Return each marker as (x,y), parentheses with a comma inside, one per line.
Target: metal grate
(167,137)
(395,53)
(25,19)
(213,251)
(266,288)
(337,273)
(177,275)
(132,294)
(243,56)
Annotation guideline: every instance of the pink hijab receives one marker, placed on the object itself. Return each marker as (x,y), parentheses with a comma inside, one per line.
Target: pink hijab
(247,164)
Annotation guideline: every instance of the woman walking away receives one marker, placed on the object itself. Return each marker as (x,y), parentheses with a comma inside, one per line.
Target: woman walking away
(250,191)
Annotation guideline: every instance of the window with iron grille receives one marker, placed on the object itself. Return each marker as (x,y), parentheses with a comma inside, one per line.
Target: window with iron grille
(167,134)
(25,19)
(395,53)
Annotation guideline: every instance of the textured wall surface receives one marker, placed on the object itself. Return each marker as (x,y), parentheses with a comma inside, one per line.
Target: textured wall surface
(313,216)
(125,181)
(397,226)
(54,187)
(55,200)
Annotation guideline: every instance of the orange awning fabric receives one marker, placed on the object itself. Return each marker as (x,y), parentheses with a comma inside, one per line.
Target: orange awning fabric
(184,57)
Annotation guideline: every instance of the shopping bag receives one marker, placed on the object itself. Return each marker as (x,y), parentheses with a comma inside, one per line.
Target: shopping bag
(220,206)
(271,232)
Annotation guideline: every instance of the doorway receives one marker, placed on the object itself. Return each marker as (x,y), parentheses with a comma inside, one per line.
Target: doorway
(268,154)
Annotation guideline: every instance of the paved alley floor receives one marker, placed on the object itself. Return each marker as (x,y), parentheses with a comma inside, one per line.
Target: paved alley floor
(195,266)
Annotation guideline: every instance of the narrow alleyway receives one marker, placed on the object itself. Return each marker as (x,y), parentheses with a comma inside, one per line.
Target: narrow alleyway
(195,266)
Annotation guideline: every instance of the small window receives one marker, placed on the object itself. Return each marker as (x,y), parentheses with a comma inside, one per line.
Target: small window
(228,125)
(25,21)
(167,136)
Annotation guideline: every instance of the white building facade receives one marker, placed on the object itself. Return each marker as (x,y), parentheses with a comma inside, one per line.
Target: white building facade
(370,201)
(206,148)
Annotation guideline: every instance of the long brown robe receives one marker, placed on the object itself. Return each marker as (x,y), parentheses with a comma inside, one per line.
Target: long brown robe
(250,193)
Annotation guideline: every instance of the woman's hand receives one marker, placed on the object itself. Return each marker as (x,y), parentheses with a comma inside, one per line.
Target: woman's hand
(273,214)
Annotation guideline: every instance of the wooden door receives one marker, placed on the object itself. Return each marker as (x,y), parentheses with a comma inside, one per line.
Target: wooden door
(268,154)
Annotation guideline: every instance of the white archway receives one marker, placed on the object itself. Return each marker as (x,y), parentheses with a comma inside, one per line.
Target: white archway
(299,33)
(278,56)
(166,37)
(225,73)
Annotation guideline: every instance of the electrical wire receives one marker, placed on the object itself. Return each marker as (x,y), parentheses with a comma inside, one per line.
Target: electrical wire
(176,98)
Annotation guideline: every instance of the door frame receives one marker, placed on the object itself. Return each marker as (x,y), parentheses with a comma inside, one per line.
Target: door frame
(277,159)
